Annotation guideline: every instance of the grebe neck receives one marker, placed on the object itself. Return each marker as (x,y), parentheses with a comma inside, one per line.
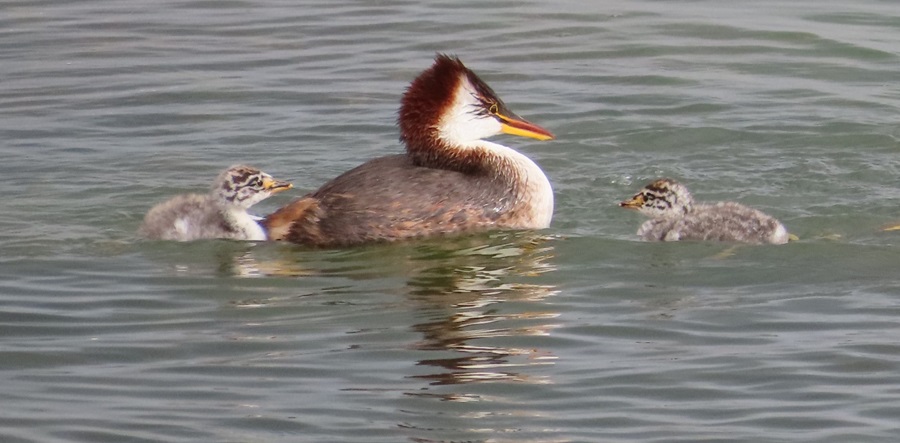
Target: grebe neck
(240,221)
(476,157)
(505,166)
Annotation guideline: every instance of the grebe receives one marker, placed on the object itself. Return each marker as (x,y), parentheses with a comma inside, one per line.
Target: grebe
(448,181)
(222,213)
(674,216)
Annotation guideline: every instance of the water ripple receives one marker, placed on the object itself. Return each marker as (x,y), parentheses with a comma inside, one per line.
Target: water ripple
(579,333)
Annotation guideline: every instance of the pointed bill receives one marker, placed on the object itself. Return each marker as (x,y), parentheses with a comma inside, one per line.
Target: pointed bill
(515,125)
(270,184)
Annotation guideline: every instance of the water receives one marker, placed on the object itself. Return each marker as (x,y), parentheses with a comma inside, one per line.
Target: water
(576,333)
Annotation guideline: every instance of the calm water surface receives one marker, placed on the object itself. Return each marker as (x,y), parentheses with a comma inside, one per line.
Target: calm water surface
(577,333)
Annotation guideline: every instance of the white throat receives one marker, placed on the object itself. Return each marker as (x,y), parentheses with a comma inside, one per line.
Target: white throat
(244,223)
(463,124)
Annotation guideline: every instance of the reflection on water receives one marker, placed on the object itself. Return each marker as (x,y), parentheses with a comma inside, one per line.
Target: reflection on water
(464,299)
(475,304)
(478,318)
(481,317)
(464,287)
(224,258)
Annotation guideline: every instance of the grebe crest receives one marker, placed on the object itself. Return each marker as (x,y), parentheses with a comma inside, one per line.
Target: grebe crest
(446,113)
(222,213)
(674,216)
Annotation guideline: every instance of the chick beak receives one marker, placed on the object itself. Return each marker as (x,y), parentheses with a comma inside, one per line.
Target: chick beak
(273,185)
(634,202)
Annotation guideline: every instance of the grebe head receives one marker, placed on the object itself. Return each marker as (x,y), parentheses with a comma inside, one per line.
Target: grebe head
(664,198)
(244,186)
(449,105)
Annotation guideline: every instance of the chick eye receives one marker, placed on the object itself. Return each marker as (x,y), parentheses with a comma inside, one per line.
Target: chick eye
(256,182)
(494,109)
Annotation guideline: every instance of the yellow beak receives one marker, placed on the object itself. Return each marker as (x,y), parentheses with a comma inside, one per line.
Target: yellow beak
(515,125)
(273,185)
(635,202)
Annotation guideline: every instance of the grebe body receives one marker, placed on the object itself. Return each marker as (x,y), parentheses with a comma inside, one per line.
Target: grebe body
(448,181)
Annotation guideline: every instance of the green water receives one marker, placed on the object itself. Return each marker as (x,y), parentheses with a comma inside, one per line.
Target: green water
(576,333)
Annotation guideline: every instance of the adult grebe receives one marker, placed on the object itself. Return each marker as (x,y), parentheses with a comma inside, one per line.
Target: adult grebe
(222,213)
(675,216)
(448,181)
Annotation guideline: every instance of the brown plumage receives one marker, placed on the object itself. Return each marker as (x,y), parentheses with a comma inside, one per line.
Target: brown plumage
(448,181)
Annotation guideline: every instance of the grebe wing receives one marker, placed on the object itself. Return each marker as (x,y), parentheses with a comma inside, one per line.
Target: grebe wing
(388,199)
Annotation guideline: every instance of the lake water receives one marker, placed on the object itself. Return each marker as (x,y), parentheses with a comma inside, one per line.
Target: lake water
(579,333)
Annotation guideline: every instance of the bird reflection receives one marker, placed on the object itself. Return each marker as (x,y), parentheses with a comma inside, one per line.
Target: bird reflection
(481,363)
(476,312)
(469,291)
(471,298)
(483,313)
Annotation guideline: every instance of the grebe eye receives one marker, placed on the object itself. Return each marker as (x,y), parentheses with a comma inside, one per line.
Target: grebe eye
(494,109)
